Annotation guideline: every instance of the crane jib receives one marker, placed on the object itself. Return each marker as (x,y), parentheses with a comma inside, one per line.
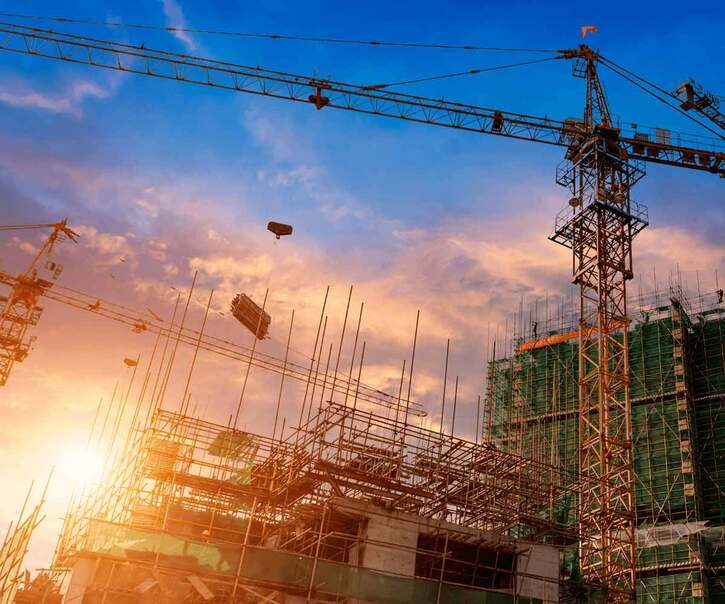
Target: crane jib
(321,94)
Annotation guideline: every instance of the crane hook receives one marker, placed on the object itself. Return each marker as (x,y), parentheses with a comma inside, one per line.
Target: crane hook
(318,100)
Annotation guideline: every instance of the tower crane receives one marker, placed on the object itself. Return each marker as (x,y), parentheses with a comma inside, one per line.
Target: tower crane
(602,163)
(20,308)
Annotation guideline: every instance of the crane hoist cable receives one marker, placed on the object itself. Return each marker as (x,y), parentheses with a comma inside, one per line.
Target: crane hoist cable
(460,73)
(272,36)
(204,62)
(640,78)
(671,95)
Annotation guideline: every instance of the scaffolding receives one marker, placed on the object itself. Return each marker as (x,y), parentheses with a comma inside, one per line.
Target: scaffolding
(677,381)
(197,509)
(15,546)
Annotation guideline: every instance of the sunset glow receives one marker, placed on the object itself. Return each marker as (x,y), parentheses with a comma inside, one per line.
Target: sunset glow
(79,467)
(247,249)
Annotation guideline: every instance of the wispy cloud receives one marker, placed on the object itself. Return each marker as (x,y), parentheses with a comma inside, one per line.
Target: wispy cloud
(68,102)
(175,18)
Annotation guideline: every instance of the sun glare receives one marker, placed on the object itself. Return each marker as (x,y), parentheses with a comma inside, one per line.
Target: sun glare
(80,466)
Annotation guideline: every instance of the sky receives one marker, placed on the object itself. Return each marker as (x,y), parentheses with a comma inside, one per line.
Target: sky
(163,180)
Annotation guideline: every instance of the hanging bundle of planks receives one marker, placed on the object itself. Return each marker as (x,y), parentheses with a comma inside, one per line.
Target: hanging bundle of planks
(250,315)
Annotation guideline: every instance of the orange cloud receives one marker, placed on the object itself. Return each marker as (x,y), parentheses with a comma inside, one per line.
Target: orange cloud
(465,273)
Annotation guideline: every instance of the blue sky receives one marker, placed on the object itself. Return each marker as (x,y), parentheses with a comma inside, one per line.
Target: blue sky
(162,179)
(405,171)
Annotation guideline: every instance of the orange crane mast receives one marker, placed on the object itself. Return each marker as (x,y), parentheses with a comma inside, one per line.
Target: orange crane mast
(602,164)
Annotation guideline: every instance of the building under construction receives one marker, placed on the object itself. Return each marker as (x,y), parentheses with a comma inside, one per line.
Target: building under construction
(677,379)
(353,506)
(366,500)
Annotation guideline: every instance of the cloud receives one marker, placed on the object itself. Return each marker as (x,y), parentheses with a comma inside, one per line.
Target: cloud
(23,245)
(283,139)
(284,178)
(147,207)
(292,165)
(462,271)
(662,247)
(103,243)
(175,18)
(68,102)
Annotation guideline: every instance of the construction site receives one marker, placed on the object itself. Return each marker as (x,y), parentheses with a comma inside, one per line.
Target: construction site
(594,473)
(364,499)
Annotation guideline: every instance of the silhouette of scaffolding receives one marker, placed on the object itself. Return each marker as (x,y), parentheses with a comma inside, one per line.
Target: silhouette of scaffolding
(241,513)
(15,545)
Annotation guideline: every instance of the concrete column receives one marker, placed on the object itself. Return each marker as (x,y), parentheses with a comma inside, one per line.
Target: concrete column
(80,579)
(389,545)
(537,573)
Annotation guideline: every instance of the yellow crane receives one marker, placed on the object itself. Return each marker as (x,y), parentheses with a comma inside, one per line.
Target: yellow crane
(20,307)
(21,310)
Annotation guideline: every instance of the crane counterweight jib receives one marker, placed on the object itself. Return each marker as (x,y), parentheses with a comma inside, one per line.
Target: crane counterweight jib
(692,96)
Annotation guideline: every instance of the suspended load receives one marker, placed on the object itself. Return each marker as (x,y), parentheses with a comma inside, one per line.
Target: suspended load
(279,229)
(250,315)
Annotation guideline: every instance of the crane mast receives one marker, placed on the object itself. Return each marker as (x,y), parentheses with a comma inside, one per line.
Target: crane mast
(19,309)
(602,163)
(599,228)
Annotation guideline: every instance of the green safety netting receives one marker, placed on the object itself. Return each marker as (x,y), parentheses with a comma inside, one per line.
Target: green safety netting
(544,382)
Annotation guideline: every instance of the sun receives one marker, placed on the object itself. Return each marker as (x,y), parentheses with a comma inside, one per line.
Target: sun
(79,465)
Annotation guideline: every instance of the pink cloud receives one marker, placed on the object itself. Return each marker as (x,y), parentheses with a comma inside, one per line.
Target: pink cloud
(69,101)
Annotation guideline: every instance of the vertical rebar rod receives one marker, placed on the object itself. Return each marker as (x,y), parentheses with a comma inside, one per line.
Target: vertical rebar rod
(249,364)
(455,404)
(410,376)
(314,353)
(196,351)
(159,372)
(177,338)
(445,384)
(284,373)
(316,377)
(342,340)
(359,376)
